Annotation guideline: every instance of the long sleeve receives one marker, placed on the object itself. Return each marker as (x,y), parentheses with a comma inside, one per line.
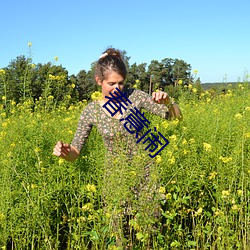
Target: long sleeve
(84,127)
(143,100)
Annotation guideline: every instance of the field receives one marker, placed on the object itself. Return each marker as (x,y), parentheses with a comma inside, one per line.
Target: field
(47,203)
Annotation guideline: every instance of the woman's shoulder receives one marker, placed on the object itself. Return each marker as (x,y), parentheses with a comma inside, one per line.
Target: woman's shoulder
(90,107)
(136,94)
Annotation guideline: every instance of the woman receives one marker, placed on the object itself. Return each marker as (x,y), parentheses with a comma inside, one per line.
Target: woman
(119,138)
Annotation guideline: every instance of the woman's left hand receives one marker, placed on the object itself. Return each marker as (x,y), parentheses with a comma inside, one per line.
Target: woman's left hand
(161,97)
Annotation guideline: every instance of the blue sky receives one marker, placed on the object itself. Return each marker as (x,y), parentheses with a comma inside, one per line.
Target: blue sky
(212,36)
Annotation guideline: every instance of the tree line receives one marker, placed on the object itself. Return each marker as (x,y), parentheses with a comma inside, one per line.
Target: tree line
(22,79)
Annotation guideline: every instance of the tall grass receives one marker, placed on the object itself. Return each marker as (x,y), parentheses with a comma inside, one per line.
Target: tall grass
(47,203)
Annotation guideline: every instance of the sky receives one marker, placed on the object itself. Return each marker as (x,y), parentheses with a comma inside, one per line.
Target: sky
(212,36)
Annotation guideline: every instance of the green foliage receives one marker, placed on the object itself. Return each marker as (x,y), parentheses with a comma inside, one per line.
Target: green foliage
(203,177)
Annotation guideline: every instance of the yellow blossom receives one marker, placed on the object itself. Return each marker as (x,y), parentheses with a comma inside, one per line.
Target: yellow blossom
(212,175)
(4,124)
(3,97)
(2,72)
(238,116)
(239,192)
(61,161)
(247,135)
(13,103)
(29,44)
(191,140)
(97,95)
(135,86)
(171,160)
(37,149)
(207,147)
(184,141)
(180,82)
(137,81)
(73,85)
(164,124)
(2,217)
(158,159)
(195,71)
(235,207)
(91,188)
(168,196)
(190,86)
(225,193)
(247,108)
(50,97)
(56,58)
(225,159)
(87,207)
(194,90)
(173,137)
(162,190)
(198,212)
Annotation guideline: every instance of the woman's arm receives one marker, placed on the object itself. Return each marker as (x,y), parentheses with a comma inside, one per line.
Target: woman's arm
(163,98)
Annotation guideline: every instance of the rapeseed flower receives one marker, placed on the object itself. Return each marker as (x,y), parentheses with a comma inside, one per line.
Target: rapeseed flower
(97,95)
(168,196)
(225,159)
(158,159)
(173,137)
(162,190)
(2,72)
(239,192)
(207,147)
(225,193)
(56,58)
(238,116)
(91,188)
(171,160)
(29,44)
(235,207)
(194,90)
(198,212)
(180,82)
(164,124)
(212,175)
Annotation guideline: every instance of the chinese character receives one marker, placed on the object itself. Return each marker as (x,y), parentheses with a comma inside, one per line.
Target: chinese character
(136,120)
(116,103)
(153,142)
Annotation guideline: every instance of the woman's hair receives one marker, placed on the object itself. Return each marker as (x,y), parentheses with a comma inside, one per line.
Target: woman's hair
(110,60)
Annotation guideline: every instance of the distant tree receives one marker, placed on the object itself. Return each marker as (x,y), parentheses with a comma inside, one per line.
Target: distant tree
(86,84)
(18,79)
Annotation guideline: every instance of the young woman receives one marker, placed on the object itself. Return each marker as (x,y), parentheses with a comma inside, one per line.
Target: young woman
(110,74)
(119,138)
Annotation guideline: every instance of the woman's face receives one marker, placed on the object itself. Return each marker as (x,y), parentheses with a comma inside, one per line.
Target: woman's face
(109,85)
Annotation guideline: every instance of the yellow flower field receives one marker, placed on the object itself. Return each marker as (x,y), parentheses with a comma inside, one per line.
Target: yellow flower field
(203,175)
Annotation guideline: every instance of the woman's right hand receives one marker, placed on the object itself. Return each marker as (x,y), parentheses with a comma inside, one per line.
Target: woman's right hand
(66,151)
(61,149)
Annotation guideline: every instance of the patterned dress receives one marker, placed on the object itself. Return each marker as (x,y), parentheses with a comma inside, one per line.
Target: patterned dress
(129,183)
(112,129)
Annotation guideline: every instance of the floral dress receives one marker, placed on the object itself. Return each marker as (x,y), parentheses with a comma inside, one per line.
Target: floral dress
(126,181)
(112,129)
